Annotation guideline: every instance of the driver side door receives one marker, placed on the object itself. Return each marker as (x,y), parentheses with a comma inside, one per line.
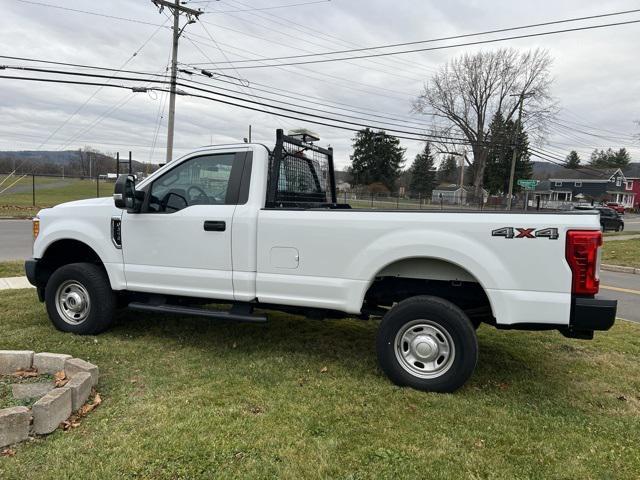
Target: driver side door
(180,242)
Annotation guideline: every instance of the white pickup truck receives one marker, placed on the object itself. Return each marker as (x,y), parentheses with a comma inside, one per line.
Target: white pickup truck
(253,228)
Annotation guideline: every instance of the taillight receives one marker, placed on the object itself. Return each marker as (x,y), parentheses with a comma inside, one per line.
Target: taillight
(582,257)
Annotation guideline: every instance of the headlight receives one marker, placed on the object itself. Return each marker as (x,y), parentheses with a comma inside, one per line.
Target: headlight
(36,227)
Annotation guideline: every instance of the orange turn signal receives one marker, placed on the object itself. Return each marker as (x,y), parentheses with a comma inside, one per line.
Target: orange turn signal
(36,227)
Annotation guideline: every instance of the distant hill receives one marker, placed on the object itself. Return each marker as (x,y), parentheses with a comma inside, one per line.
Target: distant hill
(56,157)
(73,162)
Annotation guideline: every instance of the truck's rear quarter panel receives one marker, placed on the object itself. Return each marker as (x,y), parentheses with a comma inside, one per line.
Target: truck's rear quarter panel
(527,280)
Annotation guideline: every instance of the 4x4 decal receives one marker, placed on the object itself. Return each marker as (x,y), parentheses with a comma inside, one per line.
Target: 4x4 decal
(516,232)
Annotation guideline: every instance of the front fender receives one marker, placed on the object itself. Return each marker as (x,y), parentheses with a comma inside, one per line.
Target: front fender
(93,231)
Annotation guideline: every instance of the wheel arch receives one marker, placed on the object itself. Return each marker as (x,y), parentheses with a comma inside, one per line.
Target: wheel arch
(64,251)
(427,275)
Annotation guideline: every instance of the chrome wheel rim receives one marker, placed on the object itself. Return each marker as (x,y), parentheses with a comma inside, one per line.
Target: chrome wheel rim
(424,349)
(73,302)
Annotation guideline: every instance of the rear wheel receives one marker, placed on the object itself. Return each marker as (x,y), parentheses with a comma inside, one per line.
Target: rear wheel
(427,343)
(79,299)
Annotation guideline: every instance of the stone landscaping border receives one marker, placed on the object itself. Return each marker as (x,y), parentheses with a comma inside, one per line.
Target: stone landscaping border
(57,403)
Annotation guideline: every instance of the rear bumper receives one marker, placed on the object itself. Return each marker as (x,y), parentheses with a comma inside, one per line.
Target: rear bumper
(592,314)
(589,315)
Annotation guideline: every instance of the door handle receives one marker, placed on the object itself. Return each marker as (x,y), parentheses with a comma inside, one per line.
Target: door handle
(215,226)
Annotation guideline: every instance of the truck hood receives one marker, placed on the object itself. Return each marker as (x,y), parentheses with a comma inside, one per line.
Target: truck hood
(91,207)
(89,202)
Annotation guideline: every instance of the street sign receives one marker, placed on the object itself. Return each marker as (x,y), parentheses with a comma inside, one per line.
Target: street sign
(528,184)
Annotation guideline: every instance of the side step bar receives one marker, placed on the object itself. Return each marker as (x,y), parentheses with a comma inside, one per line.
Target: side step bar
(238,313)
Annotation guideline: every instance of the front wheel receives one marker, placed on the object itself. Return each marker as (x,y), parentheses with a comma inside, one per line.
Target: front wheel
(79,299)
(427,343)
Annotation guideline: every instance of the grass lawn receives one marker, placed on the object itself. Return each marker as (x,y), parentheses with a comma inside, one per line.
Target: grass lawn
(622,252)
(619,234)
(18,200)
(13,268)
(297,398)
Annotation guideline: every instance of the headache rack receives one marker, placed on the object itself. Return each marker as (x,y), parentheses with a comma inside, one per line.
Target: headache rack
(301,175)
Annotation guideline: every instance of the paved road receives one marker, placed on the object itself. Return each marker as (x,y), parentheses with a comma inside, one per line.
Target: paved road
(625,288)
(15,239)
(632,222)
(15,244)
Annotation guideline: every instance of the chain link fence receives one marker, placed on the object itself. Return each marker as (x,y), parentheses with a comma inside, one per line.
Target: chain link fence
(442,201)
(25,194)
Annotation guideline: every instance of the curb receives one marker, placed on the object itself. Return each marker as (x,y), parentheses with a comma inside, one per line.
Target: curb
(620,269)
(14,283)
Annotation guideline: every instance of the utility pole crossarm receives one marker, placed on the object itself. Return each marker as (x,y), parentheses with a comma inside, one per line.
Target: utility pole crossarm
(177,7)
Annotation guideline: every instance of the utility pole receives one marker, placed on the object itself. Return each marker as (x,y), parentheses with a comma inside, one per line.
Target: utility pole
(463,157)
(176,10)
(514,157)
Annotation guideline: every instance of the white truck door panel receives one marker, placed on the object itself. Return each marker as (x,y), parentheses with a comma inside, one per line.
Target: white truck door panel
(180,242)
(174,253)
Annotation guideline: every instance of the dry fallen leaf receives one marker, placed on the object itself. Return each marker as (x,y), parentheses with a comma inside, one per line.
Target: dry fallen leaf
(89,407)
(324,370)
(26,373)
(60,379)
(7,452)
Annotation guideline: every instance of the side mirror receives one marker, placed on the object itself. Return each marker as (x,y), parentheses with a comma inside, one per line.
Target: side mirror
(124,194)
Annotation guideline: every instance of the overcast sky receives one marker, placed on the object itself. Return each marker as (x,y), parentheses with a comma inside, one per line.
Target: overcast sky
(596,72)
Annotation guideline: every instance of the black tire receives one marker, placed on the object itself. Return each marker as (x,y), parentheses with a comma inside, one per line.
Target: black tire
(83,279)
(439,315)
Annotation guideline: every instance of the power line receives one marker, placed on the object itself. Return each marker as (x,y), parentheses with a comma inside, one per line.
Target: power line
(98,14)
(325,76)
(298,48)
(453,37)
(81,74)
(416,136)
(443,47)
(563,163)
(271,90)
(224,55)
(262,8)
(308,30)
(86,102)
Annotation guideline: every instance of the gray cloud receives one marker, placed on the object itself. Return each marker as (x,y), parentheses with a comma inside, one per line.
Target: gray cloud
(595,71)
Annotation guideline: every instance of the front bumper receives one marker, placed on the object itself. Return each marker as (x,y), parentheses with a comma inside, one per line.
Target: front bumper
(37,275)
(31,268)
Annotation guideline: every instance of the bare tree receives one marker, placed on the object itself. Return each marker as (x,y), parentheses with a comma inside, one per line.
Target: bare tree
(468,90)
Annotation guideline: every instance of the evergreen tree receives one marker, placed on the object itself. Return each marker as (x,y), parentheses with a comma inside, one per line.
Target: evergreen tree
(423,176)
(501,137)
(448,170)
(573,160)
(609,158)
(377,157)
